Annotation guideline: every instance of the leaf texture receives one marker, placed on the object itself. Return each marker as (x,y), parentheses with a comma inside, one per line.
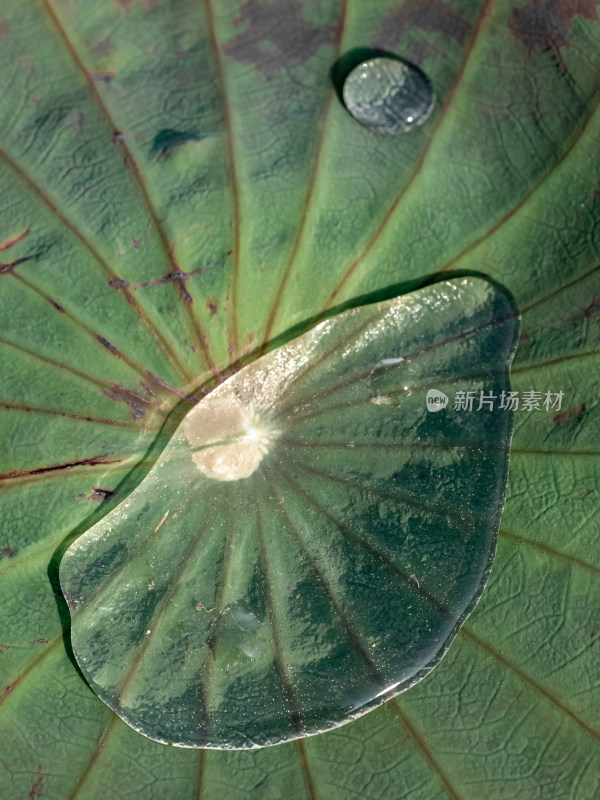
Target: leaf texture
(181,187)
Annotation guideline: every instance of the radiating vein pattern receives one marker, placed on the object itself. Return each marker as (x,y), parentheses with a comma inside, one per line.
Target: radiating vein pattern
(173,172)
(262,585)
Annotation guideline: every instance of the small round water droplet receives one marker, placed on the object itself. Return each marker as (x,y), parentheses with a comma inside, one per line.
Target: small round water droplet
(388,95)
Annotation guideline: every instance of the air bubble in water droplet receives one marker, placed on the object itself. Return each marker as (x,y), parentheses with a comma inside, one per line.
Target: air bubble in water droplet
(388,95)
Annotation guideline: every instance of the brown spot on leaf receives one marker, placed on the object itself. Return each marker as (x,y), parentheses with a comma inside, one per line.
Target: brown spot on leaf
(212,307)
(57,306)
(5,692)
(95,461)
(4,647)
(9,267)
(179,277)
(432,17)
(421,50)
(571,413)
(103,45)
(148,389)
(118,283)
(100,494)
(133,399)
(39,641)
(592,308)
(37,790)
(8,243)
(4,29)
(545,24)
(103,76)
(276,35)
(105,343)
(6,552)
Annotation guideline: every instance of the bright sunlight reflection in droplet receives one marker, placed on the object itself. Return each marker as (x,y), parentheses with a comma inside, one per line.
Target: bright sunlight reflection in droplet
(231,437)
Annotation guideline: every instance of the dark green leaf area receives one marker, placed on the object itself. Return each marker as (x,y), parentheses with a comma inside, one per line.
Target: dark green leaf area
(312,537)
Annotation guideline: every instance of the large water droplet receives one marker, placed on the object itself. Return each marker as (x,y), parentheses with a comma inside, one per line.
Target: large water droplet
(388,95)
(311,538)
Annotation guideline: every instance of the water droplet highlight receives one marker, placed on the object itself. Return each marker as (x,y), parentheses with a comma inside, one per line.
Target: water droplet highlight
(231,438)
(388,95)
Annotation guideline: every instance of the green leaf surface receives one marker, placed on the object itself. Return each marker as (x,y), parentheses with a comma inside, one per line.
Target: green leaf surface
(181,186)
